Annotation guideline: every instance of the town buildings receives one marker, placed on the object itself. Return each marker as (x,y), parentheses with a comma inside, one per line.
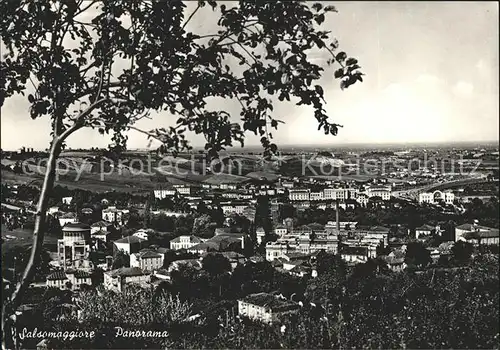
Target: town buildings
(477,234)
(67,218)
(266,307)
(73,249)
(118,280)
(185,242)
(69,280)
(383,192)
(101,230)
(436,197)
(114,215)
(129,244)
(147,260)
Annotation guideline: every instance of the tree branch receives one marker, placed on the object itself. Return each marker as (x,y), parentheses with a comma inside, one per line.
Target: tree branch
(85,8)
(38,233)
(191,16)
(80,119)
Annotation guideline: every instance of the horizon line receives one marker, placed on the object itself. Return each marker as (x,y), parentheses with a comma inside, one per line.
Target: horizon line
(309,145)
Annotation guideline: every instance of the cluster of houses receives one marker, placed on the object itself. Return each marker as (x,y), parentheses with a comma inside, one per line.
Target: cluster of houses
(293,251)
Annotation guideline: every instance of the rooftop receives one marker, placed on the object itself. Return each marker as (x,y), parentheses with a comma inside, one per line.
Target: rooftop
(270,301)
(126,272)
(101,223)
(130,240)
(75,226)
(192,239)
(57,275)
(145,254)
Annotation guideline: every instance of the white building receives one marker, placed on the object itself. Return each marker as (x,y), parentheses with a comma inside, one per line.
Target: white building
(477,234)
(101,230)
(101,226)
(280,230)
(265,307)
(129,245)
(383,192)
(234,207)
(71,279)
(184,190)
(185,242)
(147,260)
(73,249)
(362,199)
(164,193)
(299,195)
(112,214)
(356,254)
(436,197)
(68,218)
(304,242)
(67,200)
(142,234)
(316,196)
(335,193)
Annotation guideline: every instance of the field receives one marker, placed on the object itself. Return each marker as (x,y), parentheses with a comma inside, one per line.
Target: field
(23,237)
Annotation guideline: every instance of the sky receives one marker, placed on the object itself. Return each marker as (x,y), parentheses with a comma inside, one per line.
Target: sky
(431,75)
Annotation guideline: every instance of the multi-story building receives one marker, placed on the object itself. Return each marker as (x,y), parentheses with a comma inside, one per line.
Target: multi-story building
(383,192)
(436,197)
(101,226)
(184,190)
(302,242)
(358,253)
(68,218)
(164,193)
(299,195)
(101,230)
(266,307)
(142,234)
(477,234)
(335,193)
(424,230)
(185,242)
(119,279)
(70,279)
(234,207)
(74,248)
(129,245)
(316,196)
(362,199)
(112,214)
(147,260)
(375,235)
(276,250)
(280,230)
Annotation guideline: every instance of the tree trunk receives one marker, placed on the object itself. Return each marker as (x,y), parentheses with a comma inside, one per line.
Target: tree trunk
(9,308)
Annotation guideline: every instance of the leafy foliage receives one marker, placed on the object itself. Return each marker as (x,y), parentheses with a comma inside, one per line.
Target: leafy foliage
(365,307)
(121,259)
(102,65)
(417,255)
